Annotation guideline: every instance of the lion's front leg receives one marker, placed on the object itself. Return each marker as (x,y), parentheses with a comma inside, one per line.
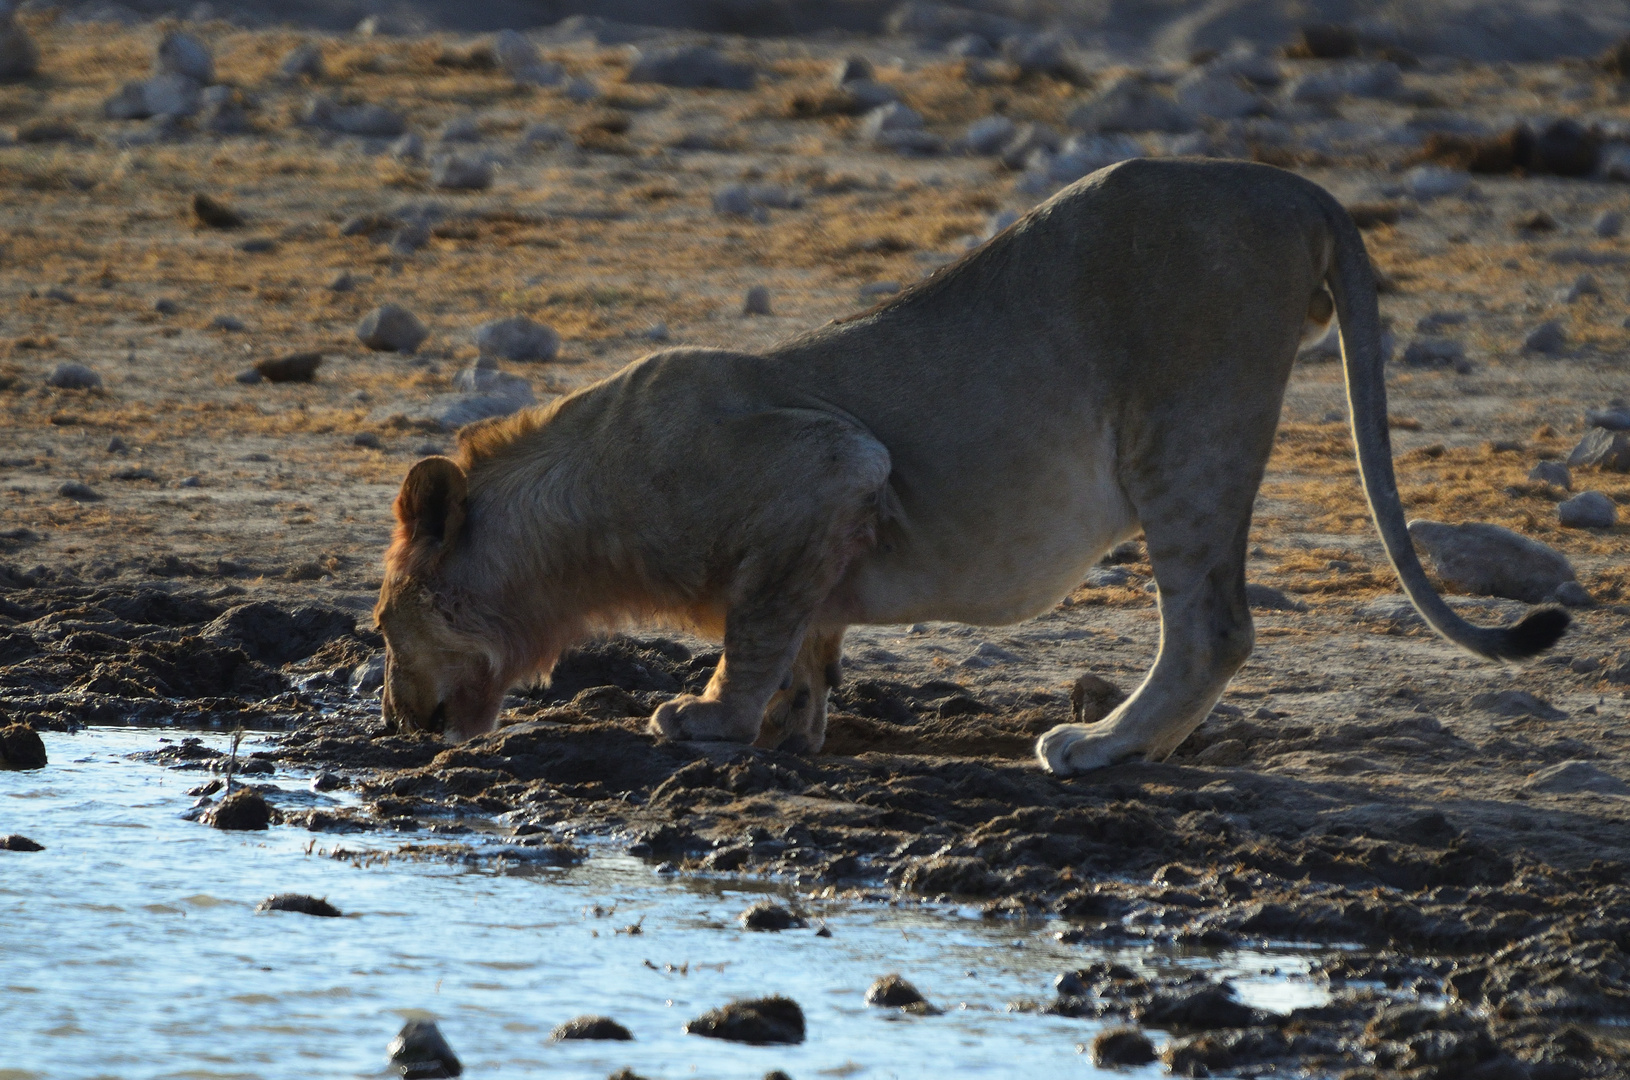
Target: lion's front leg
(796,717)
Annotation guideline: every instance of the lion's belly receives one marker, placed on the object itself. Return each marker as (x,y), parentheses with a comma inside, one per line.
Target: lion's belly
(995,549)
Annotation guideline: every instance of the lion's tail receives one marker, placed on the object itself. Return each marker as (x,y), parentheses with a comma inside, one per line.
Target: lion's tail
(1352,283)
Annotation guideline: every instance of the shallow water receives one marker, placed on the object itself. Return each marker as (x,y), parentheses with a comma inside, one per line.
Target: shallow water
(130,948)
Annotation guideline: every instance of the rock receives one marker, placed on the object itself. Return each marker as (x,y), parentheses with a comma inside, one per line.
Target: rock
(1488,560)
(297,367)
(1217,96)
(1616,418)
(852,69)
(757,301)
(368,676)
(1268,598)
(520,60)
(1602,449)
(1434,352)
(768,915)
(1132,104)
(490,382)
(230,323)
(971,47)
(457,173)
(1554,473)
(305,60)
(165,306)
(19,57)
(988,135)
(896,126)
(1608,224)
(421,1051)
(73,377)
(460,129)
(1201,1008)
(241,811)
(690,67)
(964,875)
(893,992)
(581,90)
(249,377)
(1547,338)
(1565,148)
(300,904)
(1584,285)
(161,95)
(1587,510)
(183,54)
(1040,54)
(544,134)
(367,440)
(18,842)
(759,1021)
(1572,594)
(1122,1046)
(368,120)
(1026,141)
(517,339)
(391,328)
(1428,182)
(590,1027)
(1575,777)
(73,489)
(213,214)
(21,748)
(1246,61)
(1092,698)
(1083,155)
(1325,41)
(408,148)
(734,200)
(1517,703)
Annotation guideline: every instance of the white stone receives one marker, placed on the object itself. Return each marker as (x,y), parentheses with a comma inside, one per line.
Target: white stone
(1587,510)
(517,339)
(1428,182)
(1489,560)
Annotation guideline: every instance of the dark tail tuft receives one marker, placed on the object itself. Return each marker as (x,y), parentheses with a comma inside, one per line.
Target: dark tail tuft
(1538,632)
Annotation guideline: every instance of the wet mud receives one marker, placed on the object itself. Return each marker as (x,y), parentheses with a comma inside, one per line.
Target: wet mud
(1472,944)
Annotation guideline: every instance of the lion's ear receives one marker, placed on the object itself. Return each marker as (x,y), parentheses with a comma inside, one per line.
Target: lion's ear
(431,505)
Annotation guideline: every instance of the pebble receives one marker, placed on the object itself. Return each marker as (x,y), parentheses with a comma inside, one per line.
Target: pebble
(61,295)
(241,811)
(544,134)
(73,377)
(759,1021)
(1122,1046)
(1602,449)
(1554,473)
(249,377)
(1584,285)
(768,915)
(517,339)
(690,67)
(165,306)
(1488,560)
(456,173)
(229,323)
(1132,104)
(893,992)
(421,1052)
(183,54)
(343,281)
(190,482)
(1547,338)
(1608,224)
(300,904)
(657,332)
(306,60)
(161,95)
(590,1027)
(391,328)
(369,121)
(19,56)
(369,675)
(1615,418)
(1587,510)
(259,245)
(757,301)
(367,440)
(520,60)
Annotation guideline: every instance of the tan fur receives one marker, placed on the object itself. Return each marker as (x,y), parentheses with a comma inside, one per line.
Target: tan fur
(1114,361)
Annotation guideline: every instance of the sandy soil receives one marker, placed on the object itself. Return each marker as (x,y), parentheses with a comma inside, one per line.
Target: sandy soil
(1465,823)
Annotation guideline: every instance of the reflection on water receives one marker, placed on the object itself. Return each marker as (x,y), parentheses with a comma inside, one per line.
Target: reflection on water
(130,948)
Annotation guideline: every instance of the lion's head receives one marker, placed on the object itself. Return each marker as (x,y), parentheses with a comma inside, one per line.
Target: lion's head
(443,672)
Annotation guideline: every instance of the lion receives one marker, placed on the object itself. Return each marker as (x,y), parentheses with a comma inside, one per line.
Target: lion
(1113,362)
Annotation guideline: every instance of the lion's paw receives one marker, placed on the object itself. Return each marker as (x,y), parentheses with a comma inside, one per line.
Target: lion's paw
(695,719)
(1077,748)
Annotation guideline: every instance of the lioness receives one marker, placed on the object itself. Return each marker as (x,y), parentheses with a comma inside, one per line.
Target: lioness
(1112,362)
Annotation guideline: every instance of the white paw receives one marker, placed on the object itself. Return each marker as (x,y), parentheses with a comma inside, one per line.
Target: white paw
(692,718)
(1069,749)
